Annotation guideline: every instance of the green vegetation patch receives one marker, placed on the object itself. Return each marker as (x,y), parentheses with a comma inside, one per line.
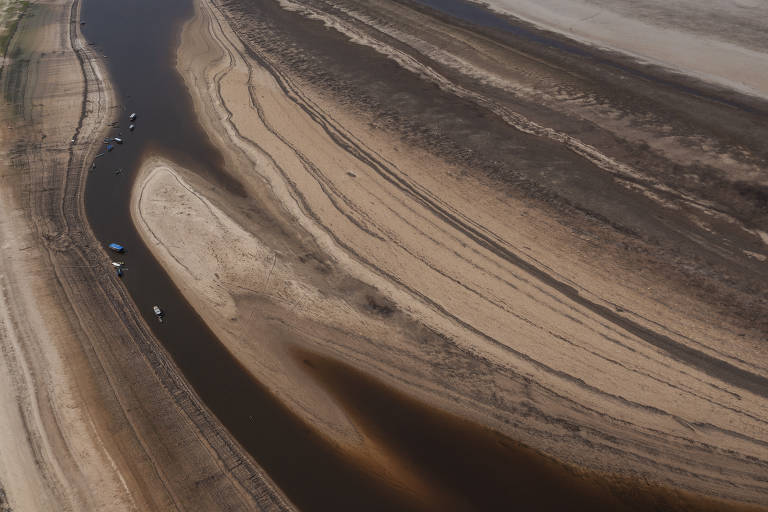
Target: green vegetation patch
(14,11)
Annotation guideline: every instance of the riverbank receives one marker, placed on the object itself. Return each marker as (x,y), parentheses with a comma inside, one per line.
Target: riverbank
(54,455)
(96,415)
(543,329)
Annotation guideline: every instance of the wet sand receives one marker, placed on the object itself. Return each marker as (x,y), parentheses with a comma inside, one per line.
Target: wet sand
(388,451)
(53,448)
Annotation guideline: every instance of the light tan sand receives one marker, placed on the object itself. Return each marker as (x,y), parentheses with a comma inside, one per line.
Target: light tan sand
(213,257)
(476,58)
(634,409)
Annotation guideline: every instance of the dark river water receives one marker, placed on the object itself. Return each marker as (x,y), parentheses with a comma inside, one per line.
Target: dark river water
(471,468)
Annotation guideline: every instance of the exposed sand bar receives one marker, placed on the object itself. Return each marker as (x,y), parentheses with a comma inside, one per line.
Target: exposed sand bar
(218,263)
(263,309)
(720,42)
(394,259)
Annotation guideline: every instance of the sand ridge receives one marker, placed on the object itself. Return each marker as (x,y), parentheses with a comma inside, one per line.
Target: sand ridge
(414,262)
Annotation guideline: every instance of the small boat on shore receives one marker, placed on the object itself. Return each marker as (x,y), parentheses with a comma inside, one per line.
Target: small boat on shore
(119,267)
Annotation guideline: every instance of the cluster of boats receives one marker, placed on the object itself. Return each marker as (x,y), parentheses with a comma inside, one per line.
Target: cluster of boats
(115,247)
(111,141)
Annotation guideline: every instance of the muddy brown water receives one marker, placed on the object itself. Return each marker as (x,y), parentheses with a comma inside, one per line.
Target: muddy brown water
(470,467)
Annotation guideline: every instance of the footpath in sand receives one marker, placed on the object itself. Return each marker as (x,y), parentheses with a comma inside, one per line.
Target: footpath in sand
(354,245)
(94,414)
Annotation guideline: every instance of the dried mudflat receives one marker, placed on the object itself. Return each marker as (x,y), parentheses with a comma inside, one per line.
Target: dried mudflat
(558,244)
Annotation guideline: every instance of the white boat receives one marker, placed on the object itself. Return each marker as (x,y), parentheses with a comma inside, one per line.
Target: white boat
(132,117)
(158,312)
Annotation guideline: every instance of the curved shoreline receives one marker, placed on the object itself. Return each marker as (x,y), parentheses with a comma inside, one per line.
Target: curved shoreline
(78,343)
(226,477)
(184,230)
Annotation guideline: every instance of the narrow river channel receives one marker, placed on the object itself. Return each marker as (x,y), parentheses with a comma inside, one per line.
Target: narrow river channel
(139,41)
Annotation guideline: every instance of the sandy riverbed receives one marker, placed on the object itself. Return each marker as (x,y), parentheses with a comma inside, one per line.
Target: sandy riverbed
(360,244)
(263,307)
